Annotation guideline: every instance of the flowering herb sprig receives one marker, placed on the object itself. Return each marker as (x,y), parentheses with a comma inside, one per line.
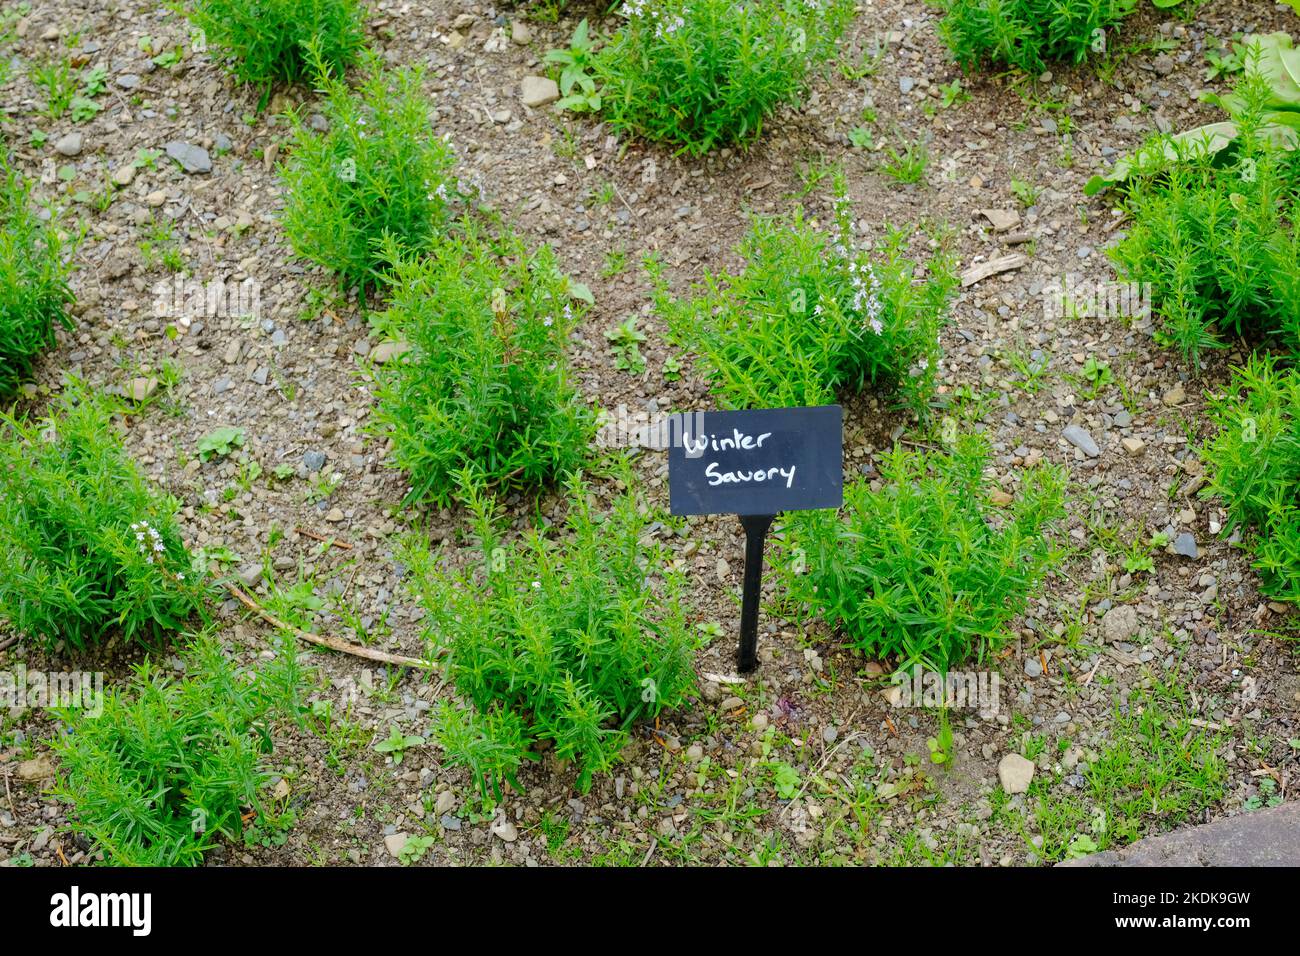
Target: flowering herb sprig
(815,314)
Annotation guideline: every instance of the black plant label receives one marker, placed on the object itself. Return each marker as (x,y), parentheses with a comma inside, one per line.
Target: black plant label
(756,461)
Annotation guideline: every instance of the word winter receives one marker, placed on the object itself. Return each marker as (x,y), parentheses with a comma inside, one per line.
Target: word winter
(736,441)
(73,909)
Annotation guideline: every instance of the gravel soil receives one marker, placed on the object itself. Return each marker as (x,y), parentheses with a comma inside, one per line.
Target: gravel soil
(705,786)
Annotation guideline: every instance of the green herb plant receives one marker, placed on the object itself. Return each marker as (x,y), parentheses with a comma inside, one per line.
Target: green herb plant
(568,638)
(377,173)
(701,74)
(86,546)
(814,313)
(926,569)
(34,293)
(484,384)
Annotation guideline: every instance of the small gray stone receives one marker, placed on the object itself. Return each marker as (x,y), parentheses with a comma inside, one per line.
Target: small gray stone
(250,574)
(128,81)
(1015,773)
(68,145)
(313,461)
(537,91)
(1033,667)
(192,159)
(395,843)
(506,831)
(1120,624)
(1185,544)
(1080,439)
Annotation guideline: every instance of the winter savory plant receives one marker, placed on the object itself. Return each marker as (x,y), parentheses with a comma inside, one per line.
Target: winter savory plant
(814,313)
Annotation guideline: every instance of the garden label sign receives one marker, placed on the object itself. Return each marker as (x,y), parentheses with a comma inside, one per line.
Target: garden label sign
(755,463)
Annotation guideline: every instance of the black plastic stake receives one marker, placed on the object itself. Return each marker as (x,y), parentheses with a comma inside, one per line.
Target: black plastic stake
(756,527)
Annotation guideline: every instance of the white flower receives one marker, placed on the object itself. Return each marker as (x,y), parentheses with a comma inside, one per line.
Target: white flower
(876,326)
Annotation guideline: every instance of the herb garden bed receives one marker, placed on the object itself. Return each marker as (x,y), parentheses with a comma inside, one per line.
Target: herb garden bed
(317,456)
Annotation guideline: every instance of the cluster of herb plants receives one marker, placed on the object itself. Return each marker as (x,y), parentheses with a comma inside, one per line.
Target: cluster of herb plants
(812,314)
(267,41)
(34,294)
(376,172)
(565,640)
(484,382)
(1213,230)
(1254,465)
(175,762)
(700,74)
(1028,34)
(926,569)
(86,546)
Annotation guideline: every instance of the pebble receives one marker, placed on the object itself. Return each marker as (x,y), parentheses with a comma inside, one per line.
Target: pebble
(192,159)
(140,389)
(538,91)
(1185,545)
(1015,773)
(387,351)
(313,461)
(68,145)
(506,831)
(1120,624)
(395,843)
(36,769)
(1080,439)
